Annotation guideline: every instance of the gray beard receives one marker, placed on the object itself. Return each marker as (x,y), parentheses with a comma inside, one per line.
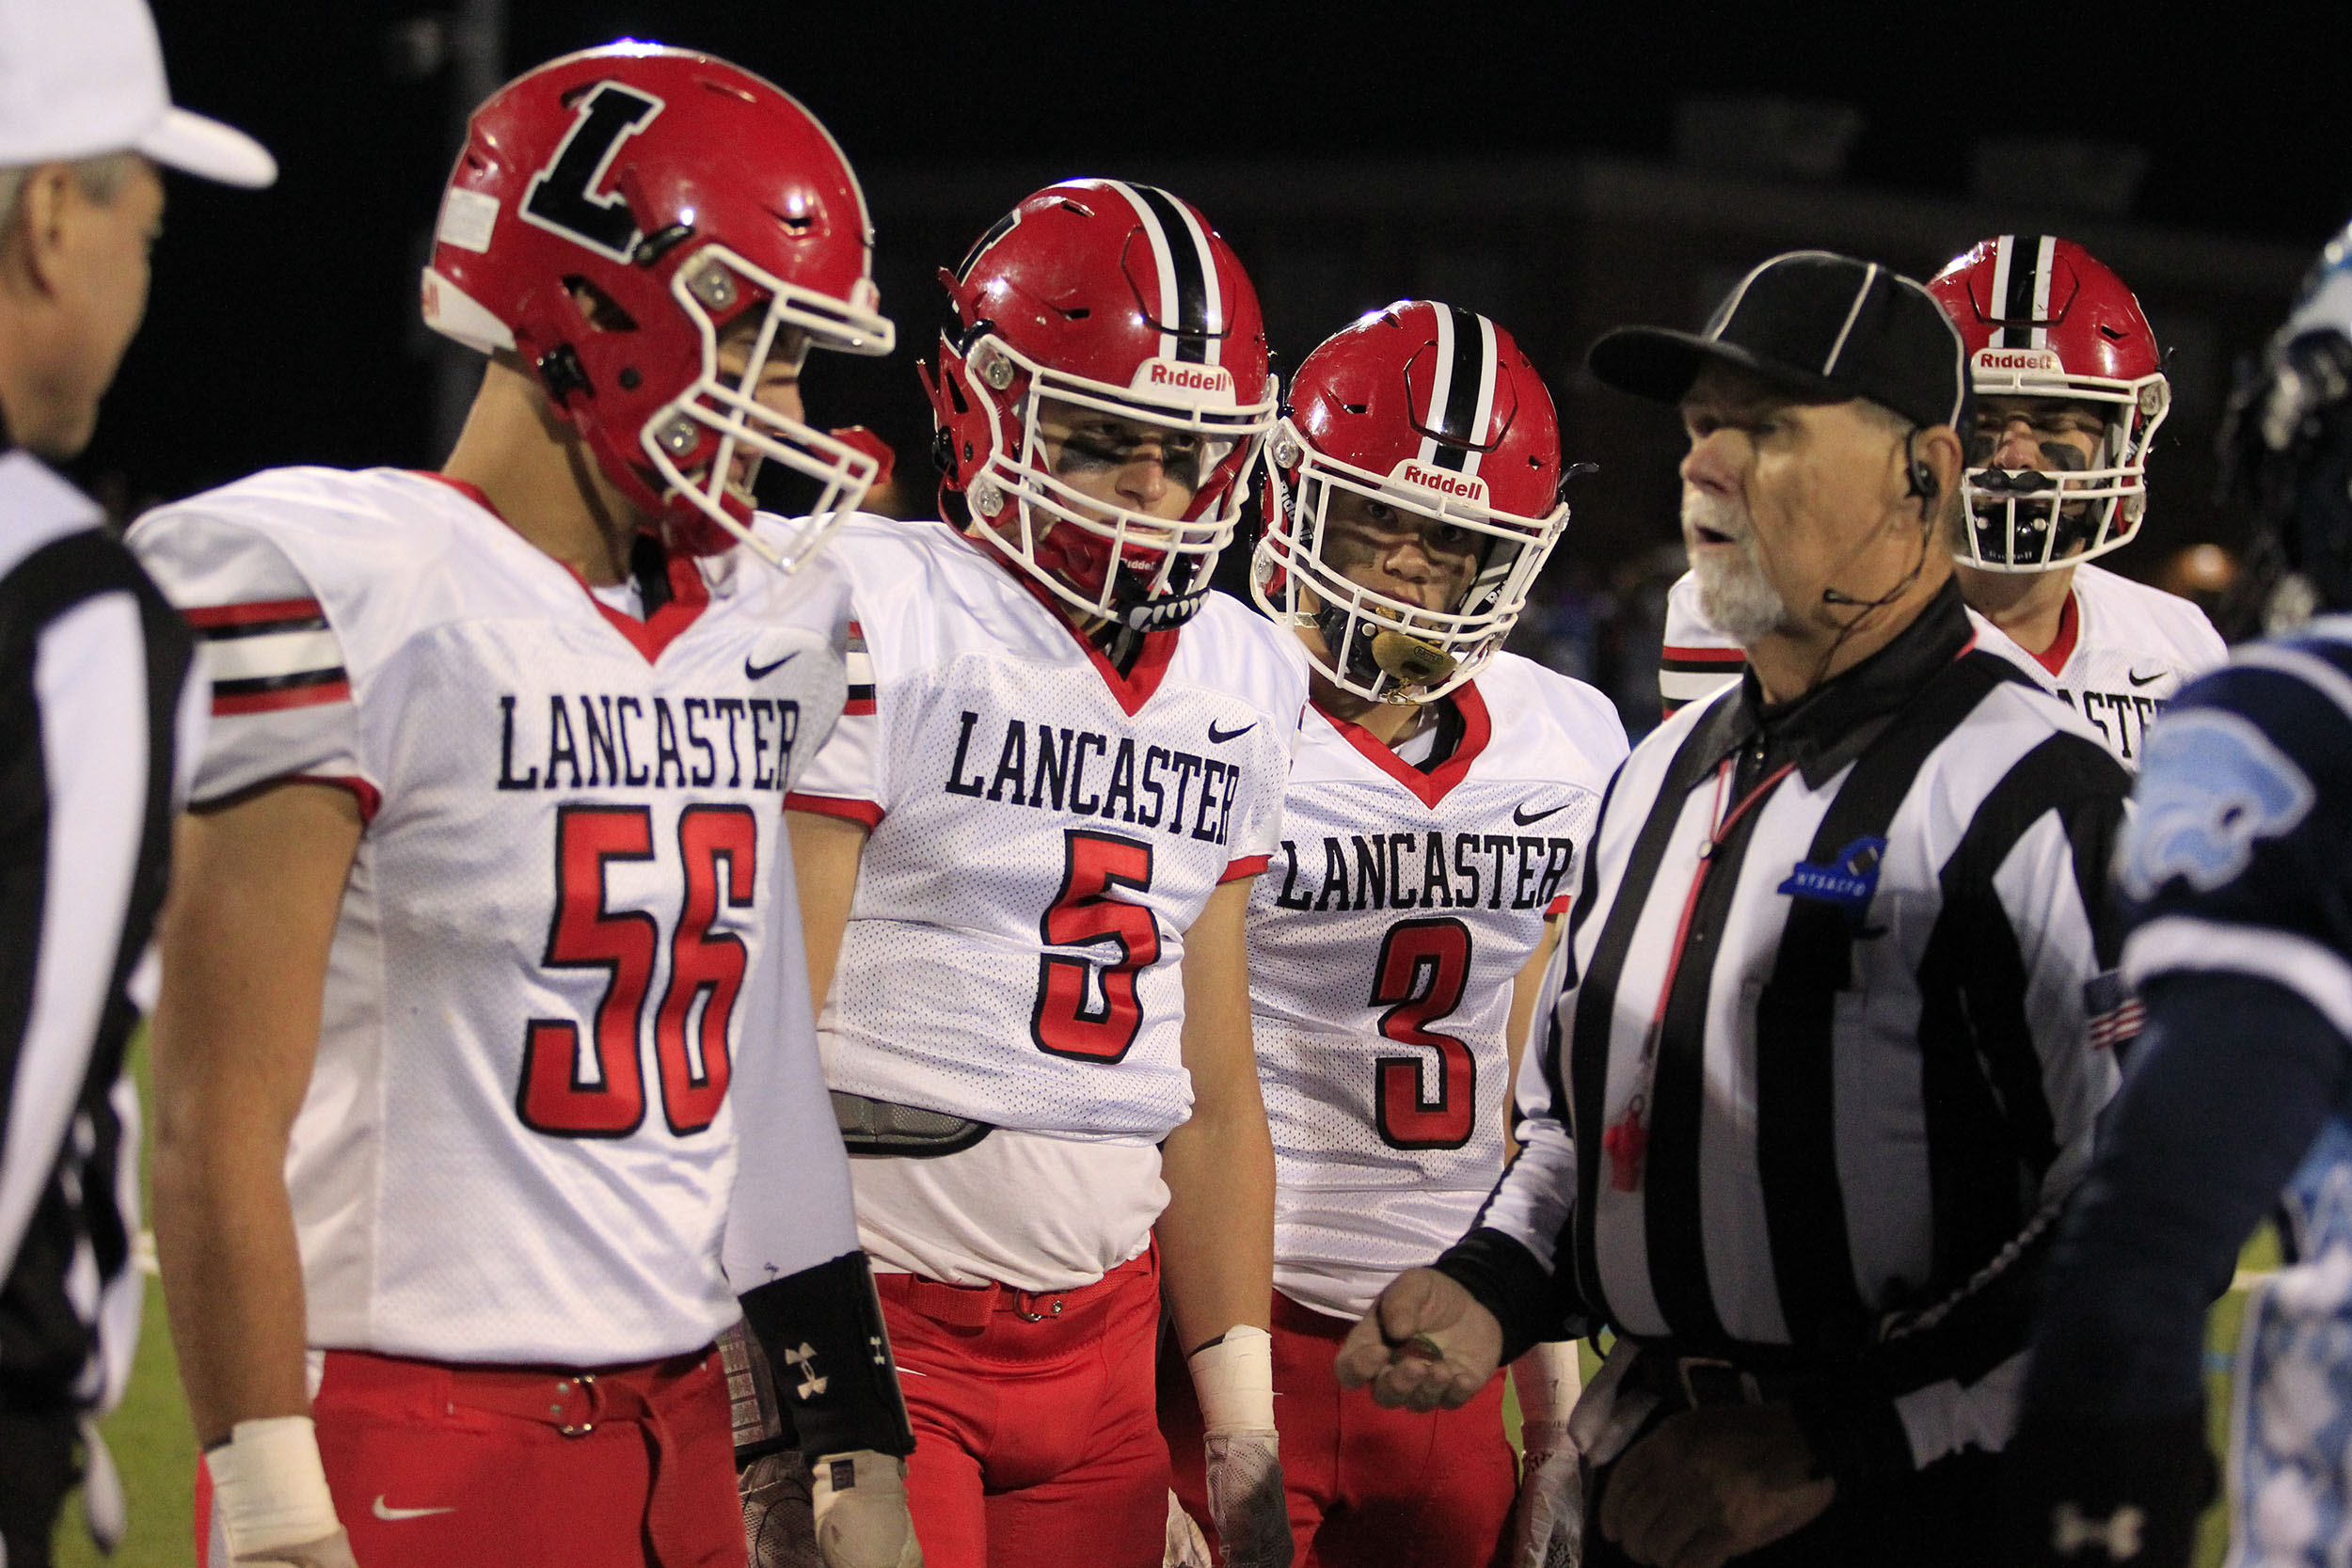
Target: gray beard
(1737,599)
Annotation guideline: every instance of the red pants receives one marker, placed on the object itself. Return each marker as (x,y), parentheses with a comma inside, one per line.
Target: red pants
(1035,1442)
(1367,1487)
(445,1466)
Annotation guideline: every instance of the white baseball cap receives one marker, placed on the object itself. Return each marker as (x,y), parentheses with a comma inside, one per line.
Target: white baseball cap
(81,78)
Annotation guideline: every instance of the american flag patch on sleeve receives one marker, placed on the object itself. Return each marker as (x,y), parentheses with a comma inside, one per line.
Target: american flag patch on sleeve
(270,655)
(2112,1013)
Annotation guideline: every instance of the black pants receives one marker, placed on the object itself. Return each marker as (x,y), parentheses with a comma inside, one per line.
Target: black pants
(37,1470)
(1939,1518)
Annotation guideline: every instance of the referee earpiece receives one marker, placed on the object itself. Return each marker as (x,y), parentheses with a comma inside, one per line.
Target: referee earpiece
(1921,474)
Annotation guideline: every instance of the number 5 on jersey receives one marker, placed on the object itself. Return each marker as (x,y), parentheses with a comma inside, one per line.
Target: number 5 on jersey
(1068,1019)
(600,1091)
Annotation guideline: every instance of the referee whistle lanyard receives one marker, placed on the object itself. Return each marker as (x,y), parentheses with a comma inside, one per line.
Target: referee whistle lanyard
(1627,1139)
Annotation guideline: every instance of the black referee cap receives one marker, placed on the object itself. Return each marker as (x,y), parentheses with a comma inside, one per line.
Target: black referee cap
(1820,324)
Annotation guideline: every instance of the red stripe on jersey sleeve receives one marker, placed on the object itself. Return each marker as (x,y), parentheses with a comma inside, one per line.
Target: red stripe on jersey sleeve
(1704,655)
(1558,906)
(245,614)
(370,798)
(273,701)
(858,707)
(1249,865)
(834,805)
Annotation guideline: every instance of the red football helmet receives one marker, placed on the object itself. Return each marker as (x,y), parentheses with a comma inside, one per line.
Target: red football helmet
(1097,296)
(1432,410)
(613,215)
(2041,317)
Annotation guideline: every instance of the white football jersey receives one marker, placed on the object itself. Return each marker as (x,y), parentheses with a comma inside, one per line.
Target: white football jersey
(1384,940)
(518,1144)
(2124,649)
(1043,833)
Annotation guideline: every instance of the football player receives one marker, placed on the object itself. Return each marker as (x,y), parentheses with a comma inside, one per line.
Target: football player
(2069,391)
(1025,858)
(1437,807)
(476,953)
(2236,879)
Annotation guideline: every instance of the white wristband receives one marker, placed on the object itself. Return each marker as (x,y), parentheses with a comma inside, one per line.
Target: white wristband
(1548,1381)
(269,1488)
(1234,1381)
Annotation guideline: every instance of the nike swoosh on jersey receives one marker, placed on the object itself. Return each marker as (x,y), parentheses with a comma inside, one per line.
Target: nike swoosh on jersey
(2137,679)
(1218,737)
(1520,815)
(761,672)
(398,1513)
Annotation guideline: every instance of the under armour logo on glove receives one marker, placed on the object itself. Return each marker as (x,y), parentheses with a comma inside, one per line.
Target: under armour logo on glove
(802,1358)
(2117,1533)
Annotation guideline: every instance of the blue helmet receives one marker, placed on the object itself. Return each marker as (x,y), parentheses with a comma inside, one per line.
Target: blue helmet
(2286,442)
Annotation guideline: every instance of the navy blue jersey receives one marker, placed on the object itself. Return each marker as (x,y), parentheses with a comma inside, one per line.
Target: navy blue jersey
(2237,860)
(2238,885)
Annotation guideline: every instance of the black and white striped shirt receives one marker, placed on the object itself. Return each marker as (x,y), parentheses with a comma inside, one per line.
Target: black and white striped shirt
(99,724)
(1819,1057)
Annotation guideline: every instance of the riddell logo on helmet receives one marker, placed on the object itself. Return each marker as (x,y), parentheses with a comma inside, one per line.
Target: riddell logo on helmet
(2018,359)
(1467,487)
(1174,375)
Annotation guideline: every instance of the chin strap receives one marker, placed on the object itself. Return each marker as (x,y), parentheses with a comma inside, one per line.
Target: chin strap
(1409,662)
(1335,623)
(1162,614)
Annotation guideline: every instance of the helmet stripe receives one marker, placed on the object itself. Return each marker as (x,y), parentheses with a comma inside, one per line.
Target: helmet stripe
(996,231)
(1440,387)
(2045,248)
(1461,408)
(2021,289)
(1211,298)
(1164,263)
(1181,251)
(1997,300)
(1482,406)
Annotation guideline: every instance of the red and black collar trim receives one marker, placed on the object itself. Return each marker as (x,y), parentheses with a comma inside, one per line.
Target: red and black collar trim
(1130,691)
(2062,648)
(1432,786)
(689,595)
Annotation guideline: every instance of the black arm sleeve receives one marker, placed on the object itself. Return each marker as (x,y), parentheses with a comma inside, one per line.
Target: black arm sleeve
(1533,1306)
(830,1356)
(2233,1079)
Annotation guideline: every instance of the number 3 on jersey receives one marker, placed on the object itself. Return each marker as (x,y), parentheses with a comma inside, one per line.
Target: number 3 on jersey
(1420,976)
(1068,1020)
(600,1091)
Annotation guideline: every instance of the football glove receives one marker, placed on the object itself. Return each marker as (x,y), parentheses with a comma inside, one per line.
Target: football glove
(1548,1519)
(860,1502)
(1233,1376)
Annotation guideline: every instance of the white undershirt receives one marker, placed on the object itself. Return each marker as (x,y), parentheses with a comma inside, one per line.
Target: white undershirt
(623,596)
(1415,750)
(1023,1209)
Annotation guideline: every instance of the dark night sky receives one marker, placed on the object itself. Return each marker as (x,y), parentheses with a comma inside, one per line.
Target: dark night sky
(282,324)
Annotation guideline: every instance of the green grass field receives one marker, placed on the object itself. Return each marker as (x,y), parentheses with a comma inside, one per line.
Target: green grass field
(151,1441)
(155,1447)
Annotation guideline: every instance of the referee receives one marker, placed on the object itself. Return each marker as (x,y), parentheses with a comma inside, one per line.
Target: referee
(98,726)
(1819,1073)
